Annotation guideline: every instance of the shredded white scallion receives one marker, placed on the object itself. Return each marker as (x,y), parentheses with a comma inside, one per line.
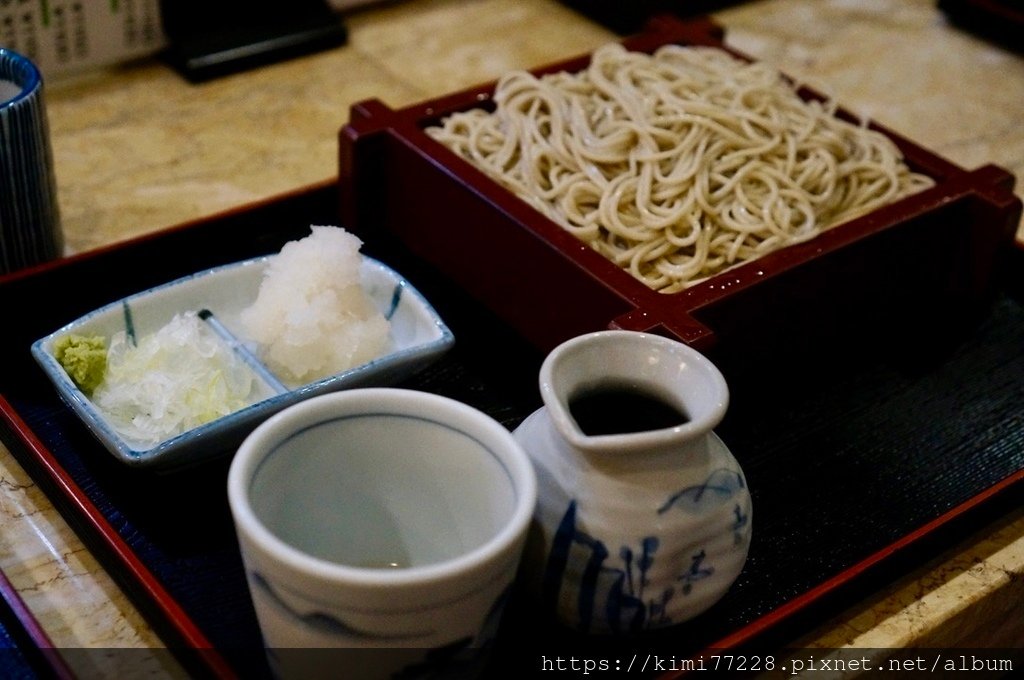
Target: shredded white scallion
(177,378)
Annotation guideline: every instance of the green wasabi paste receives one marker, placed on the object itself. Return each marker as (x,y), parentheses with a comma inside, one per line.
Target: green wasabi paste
(84,358)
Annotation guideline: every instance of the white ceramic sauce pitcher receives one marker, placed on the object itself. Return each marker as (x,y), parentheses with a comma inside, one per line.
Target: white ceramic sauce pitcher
(637,529)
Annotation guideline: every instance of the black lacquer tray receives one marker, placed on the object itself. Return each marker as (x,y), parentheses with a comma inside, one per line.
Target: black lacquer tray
(1000,21)
(865,459)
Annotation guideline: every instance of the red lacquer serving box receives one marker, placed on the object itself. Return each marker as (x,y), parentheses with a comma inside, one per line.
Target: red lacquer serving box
(932,254)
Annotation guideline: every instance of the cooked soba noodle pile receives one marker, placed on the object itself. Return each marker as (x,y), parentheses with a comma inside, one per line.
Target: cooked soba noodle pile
(680,164)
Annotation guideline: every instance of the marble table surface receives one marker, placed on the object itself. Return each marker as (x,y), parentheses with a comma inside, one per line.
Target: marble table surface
(138,149)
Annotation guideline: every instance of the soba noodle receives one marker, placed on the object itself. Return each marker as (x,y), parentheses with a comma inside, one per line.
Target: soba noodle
(680,164)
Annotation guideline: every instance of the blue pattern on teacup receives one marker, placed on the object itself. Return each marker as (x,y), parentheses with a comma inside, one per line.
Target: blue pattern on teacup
(463,658)
(323,622)
(460,658)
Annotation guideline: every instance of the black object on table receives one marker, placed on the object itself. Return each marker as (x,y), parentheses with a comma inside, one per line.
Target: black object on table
(212,39)
(998,21)
(629,17)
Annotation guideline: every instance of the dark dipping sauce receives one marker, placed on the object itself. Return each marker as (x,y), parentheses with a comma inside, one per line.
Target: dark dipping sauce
(622,409)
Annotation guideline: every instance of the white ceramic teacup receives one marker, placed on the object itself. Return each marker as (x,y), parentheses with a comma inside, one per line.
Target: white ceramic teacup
(385,522)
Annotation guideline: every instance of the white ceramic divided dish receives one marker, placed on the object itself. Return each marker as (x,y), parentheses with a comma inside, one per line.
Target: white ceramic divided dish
(380,519)
(418,336)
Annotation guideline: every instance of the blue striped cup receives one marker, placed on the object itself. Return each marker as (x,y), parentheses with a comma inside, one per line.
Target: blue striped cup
(30,230)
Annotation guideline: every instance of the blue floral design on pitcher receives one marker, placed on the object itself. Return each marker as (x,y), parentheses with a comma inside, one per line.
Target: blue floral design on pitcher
(720,486)
(629,606)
